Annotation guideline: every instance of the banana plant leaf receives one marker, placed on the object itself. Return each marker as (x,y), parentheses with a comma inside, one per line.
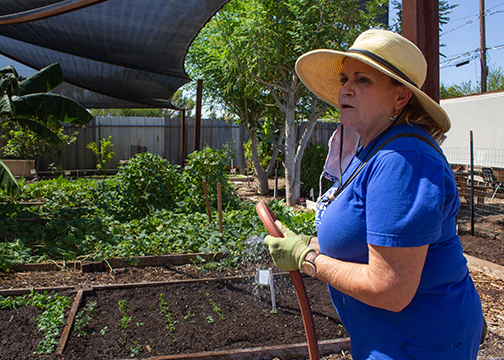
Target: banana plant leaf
(43,81)
(5,106)
(49,108)
(39,129)
(9,69)
(9,84)
(8,181)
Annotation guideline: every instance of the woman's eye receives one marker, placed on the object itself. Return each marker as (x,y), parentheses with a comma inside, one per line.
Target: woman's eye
(363,80)
(343,80)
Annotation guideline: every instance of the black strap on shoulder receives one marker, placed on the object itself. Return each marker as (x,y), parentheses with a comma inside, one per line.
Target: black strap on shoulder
(423,138)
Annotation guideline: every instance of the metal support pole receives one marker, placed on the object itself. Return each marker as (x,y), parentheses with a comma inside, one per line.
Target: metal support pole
(472,182)
(182,138)
(197,117)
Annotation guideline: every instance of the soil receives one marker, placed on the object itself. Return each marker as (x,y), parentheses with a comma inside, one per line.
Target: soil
(243,326)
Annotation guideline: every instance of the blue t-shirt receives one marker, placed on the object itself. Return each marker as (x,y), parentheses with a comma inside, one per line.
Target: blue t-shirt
(405,196)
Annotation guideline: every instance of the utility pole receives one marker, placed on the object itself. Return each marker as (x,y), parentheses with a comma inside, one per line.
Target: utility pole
(483,47)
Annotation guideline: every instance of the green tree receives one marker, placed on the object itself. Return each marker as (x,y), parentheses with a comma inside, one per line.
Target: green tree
(445,9)
(102,152)
(495,82)
(26,104)
(264,39)
(230,89)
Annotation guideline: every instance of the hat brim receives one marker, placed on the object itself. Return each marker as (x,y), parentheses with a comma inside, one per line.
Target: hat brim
(320,71)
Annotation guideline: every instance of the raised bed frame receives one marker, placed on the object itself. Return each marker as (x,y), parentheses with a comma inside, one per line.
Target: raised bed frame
(285,352)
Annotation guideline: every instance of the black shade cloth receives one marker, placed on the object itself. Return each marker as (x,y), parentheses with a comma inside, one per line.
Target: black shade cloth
(115,53)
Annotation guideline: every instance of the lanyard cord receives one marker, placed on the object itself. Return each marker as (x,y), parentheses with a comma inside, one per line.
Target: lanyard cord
(362,163)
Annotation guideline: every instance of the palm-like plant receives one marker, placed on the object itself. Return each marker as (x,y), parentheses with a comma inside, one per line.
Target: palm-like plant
(26,102)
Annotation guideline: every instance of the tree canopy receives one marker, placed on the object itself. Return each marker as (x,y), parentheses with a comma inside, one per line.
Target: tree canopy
(246,56)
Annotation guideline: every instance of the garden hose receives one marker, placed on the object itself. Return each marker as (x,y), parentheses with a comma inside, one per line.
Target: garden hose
(268,219)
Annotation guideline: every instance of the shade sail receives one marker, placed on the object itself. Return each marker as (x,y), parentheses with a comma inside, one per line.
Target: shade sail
(124,53)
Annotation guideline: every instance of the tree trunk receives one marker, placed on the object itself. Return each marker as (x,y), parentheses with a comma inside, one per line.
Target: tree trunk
(294,148)
(292,190)
(262,176)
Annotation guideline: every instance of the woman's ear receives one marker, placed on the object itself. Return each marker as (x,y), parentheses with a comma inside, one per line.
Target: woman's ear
(404,95)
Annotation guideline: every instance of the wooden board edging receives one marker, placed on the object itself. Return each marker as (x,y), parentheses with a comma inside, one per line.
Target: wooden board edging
(119,262)
(90,288)
(24,291)
(484,266)
(284,352)
(70,322)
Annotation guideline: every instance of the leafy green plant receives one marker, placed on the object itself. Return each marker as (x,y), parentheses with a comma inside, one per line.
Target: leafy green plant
(208,165)
(84,317)
(145,184)
(26,104)
(49,321)
(311,168)
(102,153)
(165,309)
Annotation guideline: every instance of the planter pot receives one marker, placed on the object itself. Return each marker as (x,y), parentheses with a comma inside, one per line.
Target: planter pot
(21,168)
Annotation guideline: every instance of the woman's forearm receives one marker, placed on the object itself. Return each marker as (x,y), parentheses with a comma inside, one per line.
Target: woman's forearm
(389,281)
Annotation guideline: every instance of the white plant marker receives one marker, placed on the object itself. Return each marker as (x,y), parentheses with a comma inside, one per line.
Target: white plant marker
(265,277)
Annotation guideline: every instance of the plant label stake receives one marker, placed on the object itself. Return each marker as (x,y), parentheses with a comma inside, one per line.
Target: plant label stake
(265,277)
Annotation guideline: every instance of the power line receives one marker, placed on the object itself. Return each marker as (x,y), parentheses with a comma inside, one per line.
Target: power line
(487,13)
(466,56)
(458,27)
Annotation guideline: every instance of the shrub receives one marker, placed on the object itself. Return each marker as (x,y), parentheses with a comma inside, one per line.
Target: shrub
(146,183)
(311,168)
(211,166)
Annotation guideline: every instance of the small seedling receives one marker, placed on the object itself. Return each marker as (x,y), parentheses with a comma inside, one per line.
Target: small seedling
(134,350)
(104,330)
(215,307)
(189,314)
(166,311)
(210,319)
(126,319)
(84,318)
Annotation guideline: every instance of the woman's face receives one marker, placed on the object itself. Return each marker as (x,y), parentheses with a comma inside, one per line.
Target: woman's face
(367,99)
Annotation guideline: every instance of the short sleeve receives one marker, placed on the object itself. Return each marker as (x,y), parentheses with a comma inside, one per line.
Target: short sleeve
(404,199)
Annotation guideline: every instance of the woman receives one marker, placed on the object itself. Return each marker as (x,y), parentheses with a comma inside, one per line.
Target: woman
(387,244)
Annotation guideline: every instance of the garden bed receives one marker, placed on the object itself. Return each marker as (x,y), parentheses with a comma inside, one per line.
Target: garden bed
(190,317)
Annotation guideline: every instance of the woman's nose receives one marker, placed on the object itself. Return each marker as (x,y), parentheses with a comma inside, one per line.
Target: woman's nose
(347,89)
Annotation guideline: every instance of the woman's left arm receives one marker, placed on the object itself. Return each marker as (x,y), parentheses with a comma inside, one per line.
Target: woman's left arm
(389,281)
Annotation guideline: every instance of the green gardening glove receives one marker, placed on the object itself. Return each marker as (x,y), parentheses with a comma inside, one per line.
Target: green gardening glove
(289,252)
(306,238)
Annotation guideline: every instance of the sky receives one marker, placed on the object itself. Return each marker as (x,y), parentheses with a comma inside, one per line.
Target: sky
(461,36)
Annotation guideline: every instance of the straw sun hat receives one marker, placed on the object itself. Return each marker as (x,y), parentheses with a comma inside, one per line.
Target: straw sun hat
(383,50)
